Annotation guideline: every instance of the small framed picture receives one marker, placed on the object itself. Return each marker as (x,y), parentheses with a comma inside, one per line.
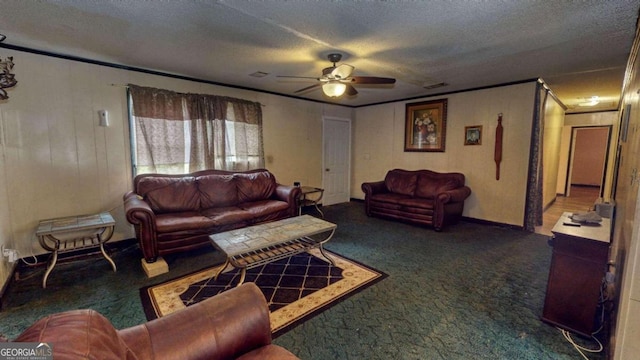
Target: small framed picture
(473,135)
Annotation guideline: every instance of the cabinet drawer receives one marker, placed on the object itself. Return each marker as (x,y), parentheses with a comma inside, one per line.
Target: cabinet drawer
(589,250)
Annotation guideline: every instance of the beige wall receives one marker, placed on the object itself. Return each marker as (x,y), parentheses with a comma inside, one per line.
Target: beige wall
(626,236)
(378,146)
(56,160)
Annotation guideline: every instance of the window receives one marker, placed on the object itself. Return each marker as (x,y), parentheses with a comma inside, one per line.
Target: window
(176,133)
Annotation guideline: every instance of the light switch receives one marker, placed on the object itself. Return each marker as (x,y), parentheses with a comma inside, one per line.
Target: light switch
(104,118)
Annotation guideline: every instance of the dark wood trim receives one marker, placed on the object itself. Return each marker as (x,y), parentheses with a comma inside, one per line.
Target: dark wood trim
(550,204)
(492,223)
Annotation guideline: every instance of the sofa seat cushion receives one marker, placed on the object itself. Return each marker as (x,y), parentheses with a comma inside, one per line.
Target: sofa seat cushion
(183,221)
(416,203)
(389,198)
(227,215)
(264,207)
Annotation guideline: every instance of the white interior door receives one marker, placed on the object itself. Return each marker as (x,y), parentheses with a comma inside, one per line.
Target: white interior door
(336,160)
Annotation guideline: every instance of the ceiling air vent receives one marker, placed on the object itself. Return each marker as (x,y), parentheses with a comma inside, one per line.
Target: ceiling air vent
(434,86)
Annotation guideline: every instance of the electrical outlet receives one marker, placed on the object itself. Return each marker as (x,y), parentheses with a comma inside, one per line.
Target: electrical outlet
(11,254)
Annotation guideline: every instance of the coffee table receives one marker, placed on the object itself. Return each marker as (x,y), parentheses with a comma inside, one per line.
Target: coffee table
(257,245)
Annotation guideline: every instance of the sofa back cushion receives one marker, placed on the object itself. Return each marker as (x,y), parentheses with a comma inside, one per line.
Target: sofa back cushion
(253,186)
(217,190)
(401,181)
(166,194)
(430,183)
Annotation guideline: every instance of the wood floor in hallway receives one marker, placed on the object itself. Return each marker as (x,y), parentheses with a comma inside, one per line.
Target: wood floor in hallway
(581,199)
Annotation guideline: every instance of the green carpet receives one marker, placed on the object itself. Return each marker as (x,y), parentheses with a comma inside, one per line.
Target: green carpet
(470,292)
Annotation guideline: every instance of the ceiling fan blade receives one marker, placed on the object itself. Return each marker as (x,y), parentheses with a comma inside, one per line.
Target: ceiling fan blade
(342,71)
(298,77)
(372,80)
(351,90)
(308,88)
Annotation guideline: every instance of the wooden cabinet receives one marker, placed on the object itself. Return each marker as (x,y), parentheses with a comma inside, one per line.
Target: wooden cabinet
(578,266)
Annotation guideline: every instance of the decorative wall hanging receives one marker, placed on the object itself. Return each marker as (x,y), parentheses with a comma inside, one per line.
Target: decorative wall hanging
(497,156)
(425,126)
(7,79)
(473,135)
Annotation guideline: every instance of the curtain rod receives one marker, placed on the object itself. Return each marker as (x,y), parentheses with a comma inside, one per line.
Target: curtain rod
(127,86)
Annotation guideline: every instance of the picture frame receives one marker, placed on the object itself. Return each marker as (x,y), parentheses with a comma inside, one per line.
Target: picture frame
(473,135)
(426,126)
(624,124)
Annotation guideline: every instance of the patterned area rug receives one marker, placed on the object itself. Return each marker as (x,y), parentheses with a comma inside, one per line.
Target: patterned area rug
(296,288)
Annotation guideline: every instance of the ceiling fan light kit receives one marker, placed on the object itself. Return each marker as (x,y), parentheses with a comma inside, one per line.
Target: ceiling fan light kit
(334,89)
(336,80)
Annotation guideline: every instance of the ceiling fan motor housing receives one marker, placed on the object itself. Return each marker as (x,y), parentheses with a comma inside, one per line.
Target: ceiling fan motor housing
(334,58)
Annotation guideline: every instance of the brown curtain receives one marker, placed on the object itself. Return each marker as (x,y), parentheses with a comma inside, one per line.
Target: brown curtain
(533,215)
(178,133)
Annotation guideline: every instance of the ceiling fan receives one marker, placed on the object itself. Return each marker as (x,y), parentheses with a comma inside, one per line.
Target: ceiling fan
(336,80)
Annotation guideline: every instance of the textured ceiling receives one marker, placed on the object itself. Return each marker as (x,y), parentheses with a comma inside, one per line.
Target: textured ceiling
(579,48)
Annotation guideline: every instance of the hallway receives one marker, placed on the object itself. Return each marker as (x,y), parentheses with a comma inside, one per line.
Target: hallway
(582,199)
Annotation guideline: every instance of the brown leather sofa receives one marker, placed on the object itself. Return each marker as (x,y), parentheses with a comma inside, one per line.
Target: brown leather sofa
(173,213)
(421,197)
(231,325)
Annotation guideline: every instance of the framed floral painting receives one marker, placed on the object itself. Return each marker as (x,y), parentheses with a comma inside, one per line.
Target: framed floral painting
(426,126)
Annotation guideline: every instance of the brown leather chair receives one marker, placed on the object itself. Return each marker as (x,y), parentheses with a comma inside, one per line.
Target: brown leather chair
(231,325)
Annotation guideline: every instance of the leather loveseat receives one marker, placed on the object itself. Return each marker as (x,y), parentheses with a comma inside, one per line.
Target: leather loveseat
(421,197)
(231,325)
(173,213)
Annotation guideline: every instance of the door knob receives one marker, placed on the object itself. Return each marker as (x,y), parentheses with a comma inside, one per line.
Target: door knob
(327,169)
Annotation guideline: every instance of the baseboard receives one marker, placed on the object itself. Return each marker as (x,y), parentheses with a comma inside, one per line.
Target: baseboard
(586,186)
(491,223)
(7,285)
(549,204)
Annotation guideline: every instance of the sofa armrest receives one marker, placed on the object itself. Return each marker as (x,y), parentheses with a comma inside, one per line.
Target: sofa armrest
(449,204)
(290,194)
(370,188)
(224,326)
(140,215)
(455,195)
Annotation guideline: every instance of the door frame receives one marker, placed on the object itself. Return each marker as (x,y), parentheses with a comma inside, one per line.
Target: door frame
(324,144)
(574,130)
